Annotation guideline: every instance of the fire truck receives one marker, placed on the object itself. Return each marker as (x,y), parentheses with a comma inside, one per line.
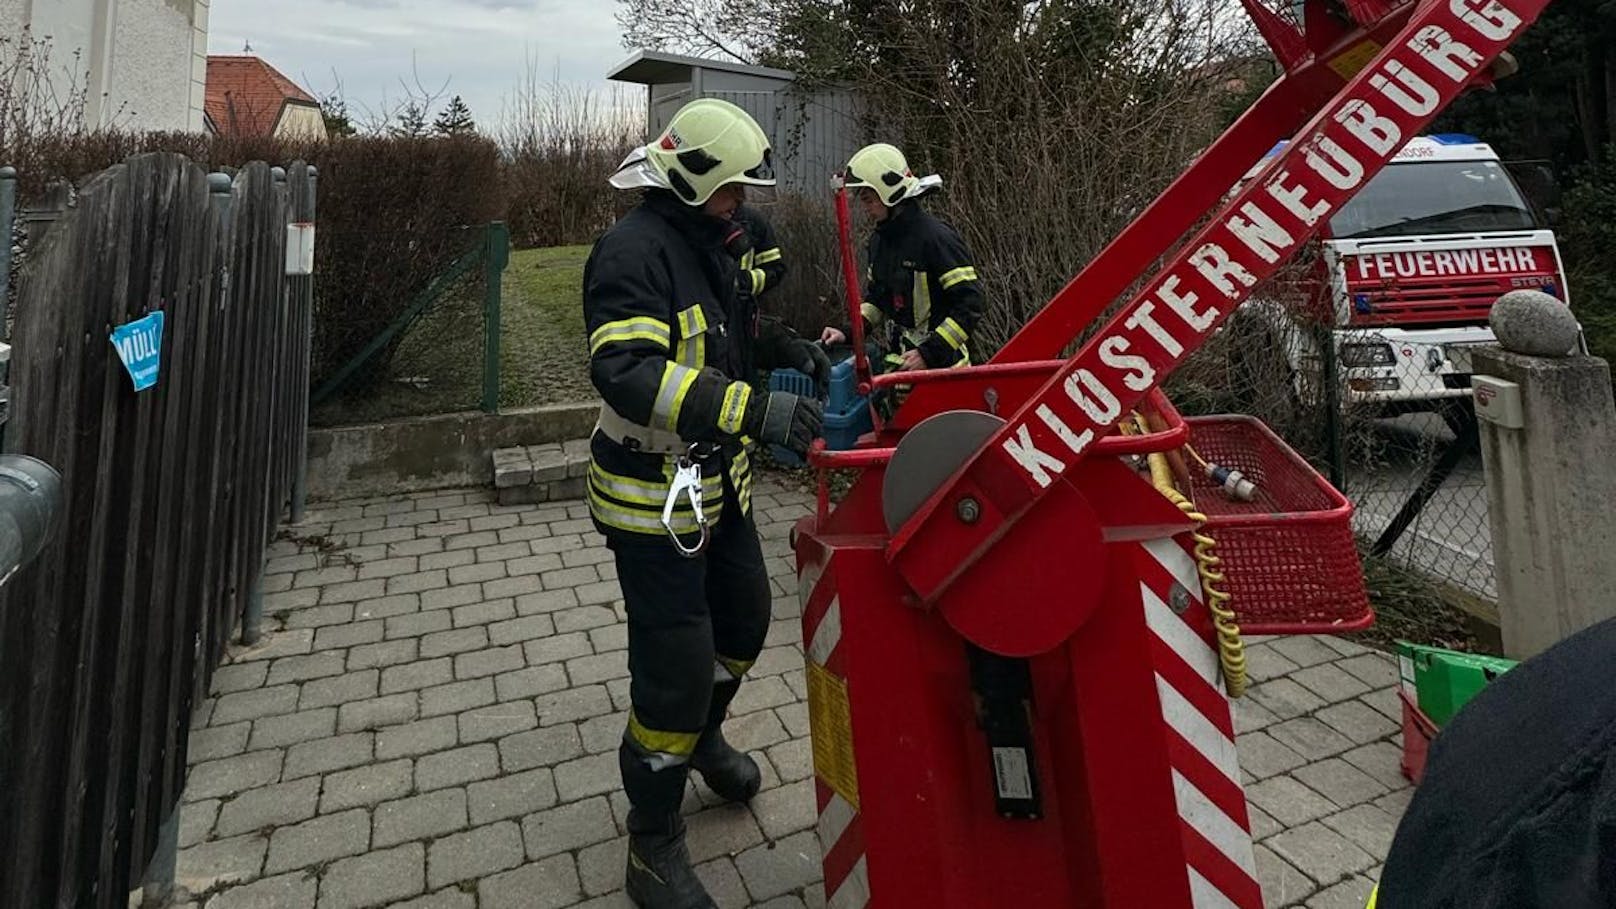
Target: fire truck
(1404,277)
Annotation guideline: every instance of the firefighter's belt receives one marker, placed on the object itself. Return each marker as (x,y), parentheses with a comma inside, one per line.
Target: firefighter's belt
(635,437)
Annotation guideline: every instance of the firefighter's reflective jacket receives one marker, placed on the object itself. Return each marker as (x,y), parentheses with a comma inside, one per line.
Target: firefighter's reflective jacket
(669,345)
(921,289)
(763,266)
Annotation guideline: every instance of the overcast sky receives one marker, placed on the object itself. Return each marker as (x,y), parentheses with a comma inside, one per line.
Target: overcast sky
(478,46)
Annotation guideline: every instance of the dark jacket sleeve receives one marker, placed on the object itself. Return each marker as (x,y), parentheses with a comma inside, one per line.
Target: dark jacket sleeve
(768,262)
(875,293)
(626,293)
(952,265)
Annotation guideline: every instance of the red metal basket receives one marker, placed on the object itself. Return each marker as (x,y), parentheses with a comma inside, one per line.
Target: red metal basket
(1291,561)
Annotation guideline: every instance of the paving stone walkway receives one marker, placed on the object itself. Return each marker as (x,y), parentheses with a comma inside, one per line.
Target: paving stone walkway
(432,721)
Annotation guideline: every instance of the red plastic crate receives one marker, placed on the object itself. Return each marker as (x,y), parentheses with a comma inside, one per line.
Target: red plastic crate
(1418,731)
(1289,555)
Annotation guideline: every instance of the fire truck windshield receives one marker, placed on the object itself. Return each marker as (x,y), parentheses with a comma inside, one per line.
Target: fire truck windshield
(1435,197)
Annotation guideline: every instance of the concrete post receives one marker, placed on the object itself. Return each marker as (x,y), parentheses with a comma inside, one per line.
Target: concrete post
(1548,427)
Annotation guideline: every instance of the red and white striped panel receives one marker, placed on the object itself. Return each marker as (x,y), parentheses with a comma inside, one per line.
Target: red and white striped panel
(841,835)
(1212,811)
(847,873)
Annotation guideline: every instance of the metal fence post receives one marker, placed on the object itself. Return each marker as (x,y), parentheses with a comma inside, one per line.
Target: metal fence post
(300,478)
(8,220)
(495,257)
(1332,409)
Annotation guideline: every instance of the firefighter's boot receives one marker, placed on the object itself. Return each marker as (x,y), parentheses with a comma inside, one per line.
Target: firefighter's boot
(659,874)
(730,773)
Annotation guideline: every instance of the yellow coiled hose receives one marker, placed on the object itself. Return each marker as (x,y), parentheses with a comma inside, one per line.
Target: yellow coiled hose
(1231,649)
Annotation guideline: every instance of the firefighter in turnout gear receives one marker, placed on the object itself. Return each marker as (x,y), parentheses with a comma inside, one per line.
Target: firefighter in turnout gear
(672,345)
(754,245)
(921,289)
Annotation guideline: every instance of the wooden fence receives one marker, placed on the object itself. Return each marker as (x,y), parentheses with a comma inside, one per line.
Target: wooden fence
(170,496)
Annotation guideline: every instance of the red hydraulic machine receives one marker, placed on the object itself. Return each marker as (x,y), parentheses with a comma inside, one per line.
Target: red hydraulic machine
(1022,624)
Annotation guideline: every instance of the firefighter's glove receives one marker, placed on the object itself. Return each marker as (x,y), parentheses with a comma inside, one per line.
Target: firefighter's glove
(778,347)
(737,242)
(785,419)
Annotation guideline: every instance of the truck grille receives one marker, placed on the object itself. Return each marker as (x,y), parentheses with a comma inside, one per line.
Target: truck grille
(1444,300)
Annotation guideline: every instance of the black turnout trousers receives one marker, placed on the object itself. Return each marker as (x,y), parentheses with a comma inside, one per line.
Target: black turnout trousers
(695,626)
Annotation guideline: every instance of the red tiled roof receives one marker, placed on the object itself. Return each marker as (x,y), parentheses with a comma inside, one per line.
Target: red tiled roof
(245,95)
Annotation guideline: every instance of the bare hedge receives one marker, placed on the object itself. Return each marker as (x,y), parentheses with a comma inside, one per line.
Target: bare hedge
(393,212)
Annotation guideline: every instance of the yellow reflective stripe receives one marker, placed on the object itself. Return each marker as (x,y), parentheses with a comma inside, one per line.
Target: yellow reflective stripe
(748,259)
(736,399)
(740,477)
(692,321)
(735,669)
(692,334)
(677,745)
(670,399)
(649,493)
(872,313)
(636,329)
(759,278)
(767,256)
(922,298)
(951,332)
(957,276)
(648,520)
(1374,897)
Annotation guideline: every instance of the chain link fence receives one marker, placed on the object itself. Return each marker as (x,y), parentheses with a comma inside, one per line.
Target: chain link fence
(435,353)
(1412,467)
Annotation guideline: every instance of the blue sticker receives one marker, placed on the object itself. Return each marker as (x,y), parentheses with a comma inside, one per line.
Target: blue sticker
(139,345)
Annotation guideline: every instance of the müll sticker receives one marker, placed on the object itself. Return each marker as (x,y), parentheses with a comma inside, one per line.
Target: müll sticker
(139,345)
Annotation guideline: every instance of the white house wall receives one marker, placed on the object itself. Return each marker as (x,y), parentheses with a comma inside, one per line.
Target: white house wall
(300,121)
(145,60)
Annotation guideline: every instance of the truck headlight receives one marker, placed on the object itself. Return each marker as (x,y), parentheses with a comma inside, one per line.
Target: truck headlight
(1376,354)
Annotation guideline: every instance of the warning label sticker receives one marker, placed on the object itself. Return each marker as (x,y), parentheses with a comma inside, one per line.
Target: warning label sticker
(1011,770)
(831,722)
(1349,63)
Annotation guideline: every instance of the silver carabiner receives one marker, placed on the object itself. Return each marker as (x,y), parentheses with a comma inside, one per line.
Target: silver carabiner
(686,482)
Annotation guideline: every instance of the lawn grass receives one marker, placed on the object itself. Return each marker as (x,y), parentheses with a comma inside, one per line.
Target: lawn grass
(544,353)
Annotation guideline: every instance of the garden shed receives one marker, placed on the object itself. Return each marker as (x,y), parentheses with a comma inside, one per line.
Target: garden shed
(814,131)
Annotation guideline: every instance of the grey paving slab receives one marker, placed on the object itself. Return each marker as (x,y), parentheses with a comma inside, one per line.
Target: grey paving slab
(438,730)
(419,817)
(474,853)
(269,806)
(374,878)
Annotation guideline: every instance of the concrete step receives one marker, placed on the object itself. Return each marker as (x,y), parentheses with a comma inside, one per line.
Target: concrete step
(530,474)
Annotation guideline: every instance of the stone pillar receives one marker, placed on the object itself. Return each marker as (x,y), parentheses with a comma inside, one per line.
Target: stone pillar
(1548,433)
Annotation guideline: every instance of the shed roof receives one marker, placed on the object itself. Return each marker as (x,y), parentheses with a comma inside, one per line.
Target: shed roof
(648,67)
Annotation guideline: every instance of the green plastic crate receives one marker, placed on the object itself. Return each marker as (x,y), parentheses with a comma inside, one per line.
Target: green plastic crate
(1443,681)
